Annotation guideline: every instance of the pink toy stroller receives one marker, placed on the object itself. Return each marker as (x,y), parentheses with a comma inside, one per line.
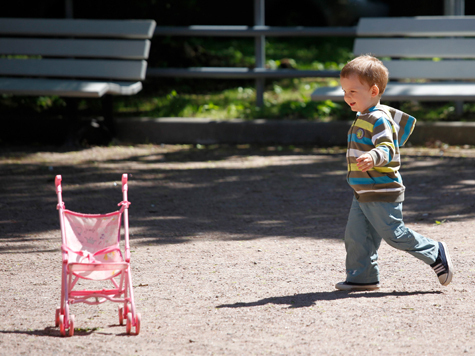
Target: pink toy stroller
(90,249)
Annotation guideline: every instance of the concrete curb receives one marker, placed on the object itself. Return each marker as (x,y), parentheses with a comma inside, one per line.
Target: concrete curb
(206,131)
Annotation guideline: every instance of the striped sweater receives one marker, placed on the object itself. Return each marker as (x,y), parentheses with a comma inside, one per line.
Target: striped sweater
(379,131)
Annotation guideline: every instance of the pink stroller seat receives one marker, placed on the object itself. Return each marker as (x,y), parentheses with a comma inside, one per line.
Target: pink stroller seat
(93,245)
(91,250)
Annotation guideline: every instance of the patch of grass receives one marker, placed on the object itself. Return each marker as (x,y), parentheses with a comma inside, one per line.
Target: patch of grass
(229,99)
(439,111)
(285,99)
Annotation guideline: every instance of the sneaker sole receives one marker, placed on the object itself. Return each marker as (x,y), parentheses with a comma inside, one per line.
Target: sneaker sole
(349,287)
(449,263)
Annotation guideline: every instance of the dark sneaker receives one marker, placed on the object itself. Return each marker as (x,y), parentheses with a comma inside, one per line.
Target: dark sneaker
(350,286)
(443,265)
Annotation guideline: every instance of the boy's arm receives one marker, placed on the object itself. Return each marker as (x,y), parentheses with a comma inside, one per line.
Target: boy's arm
(384,149)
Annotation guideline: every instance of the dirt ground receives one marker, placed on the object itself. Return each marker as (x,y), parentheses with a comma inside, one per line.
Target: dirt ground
(236,251)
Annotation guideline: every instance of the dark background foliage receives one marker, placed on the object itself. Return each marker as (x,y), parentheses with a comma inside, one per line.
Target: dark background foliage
(218,12)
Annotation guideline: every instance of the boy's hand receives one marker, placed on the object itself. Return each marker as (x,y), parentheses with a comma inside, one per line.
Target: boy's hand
(364,162)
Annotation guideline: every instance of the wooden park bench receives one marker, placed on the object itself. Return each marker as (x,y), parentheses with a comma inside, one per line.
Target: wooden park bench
(74,58)
(428,58)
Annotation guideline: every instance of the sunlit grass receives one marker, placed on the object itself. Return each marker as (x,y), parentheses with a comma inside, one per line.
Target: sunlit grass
(284,99)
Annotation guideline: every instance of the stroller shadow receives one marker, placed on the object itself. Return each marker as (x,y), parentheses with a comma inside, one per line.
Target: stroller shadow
(51,331)
(309,299)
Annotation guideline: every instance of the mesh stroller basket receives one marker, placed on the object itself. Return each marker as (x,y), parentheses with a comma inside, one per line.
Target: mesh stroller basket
(91,250)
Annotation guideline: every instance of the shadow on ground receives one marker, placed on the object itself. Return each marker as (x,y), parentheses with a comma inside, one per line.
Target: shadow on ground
(182,193)
(309,299)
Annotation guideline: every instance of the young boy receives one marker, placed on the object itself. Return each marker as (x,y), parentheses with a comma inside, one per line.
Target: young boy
(373,172)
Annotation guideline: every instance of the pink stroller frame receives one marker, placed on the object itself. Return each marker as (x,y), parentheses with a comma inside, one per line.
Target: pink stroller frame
(91,250)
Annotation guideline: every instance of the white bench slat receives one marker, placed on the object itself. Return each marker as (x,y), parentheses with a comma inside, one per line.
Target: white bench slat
(430,91)
(28,86)
(417,26)
(133,29)
(327,93)
(123,49)
(427,69)
(68,88)
(124,88)
(416,47)
(409,91)
(69,68)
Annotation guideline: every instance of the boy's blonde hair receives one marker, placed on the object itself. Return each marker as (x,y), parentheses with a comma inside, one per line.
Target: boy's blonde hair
(369,69)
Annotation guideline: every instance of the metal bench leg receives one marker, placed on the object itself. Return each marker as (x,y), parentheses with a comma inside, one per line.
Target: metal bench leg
(108,112)
(73,122)
(459,108)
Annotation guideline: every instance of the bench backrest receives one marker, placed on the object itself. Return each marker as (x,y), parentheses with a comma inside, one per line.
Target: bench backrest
(67,48)
(438,48)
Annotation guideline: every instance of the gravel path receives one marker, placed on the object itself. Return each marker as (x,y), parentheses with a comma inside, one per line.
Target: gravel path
(236,251)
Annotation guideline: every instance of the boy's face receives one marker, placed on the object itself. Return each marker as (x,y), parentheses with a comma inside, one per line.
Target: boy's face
(359,96)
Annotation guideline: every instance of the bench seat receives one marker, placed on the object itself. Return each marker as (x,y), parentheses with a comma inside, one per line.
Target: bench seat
(428,58)
(73,57)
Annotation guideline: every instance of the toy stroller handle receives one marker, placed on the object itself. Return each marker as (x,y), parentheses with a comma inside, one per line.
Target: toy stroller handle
(57,183)
(124,183)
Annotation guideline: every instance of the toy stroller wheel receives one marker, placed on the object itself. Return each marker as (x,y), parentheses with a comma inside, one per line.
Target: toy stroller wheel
(138,320)
(62,330)
(128,326)
(121,316)
(71,325)
(56,319)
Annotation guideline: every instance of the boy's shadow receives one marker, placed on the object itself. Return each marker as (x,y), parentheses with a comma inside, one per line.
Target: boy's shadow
(309,299)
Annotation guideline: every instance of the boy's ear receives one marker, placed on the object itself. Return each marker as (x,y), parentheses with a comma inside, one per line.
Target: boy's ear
(374,90)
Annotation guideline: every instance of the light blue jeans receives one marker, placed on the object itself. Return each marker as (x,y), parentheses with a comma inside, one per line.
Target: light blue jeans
(368,224)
